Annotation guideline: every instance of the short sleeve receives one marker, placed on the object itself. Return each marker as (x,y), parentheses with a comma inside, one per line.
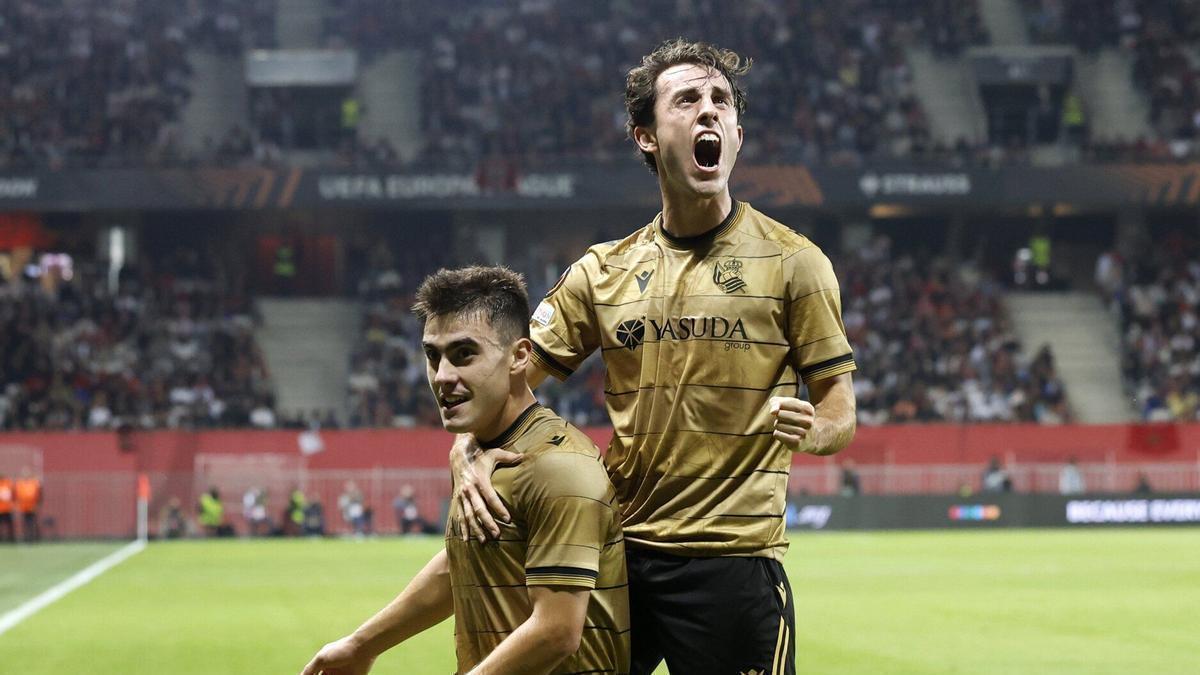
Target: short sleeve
(816,334)
(563,328)
(567,503)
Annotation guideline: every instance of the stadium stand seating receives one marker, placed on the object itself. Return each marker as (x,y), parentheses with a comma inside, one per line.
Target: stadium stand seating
(171,347)
(933,342)
(1157,301)
(840,89)
(99,83)
(1158,34)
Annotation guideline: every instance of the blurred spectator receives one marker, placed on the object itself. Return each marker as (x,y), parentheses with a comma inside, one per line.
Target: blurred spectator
(996,478)
(851,485)
(314,519)
(8,503)
(172,523)
(1143,486)
(408,516)
(294,513)
(254,511)
(212,513)
(352,507)
(1070,479)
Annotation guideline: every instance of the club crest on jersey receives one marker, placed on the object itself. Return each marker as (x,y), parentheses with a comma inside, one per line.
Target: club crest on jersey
(728,275)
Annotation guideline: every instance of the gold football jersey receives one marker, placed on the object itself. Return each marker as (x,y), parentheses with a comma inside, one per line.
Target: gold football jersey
(697,334)
(566,531)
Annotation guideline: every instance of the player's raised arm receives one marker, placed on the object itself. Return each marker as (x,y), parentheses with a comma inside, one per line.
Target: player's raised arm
(425,602)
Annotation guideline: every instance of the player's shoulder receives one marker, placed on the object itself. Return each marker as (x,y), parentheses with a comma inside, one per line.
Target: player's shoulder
(559,457)
(756,225)
(599,257)
(551,434)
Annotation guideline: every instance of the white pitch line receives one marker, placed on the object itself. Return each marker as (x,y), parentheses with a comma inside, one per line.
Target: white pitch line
(50,595)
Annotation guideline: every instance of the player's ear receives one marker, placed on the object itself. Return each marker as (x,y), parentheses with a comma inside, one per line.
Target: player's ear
(739,147)
(522,355)
(646,139)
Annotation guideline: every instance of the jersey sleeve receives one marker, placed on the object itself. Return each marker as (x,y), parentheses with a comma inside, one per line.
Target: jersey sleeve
(567,502)
(816,334)
(564,328)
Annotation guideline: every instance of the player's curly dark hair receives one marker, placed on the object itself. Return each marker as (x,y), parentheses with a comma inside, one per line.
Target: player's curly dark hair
(496,294)
(640,92)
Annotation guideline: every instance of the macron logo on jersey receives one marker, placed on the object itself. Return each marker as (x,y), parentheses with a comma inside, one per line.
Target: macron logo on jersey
(543,314)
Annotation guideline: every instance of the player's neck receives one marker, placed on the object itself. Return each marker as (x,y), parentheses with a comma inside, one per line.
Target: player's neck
(691,215)
(517,403)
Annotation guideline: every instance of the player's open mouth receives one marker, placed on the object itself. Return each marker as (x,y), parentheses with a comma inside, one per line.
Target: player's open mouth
(707,150)
(451,402)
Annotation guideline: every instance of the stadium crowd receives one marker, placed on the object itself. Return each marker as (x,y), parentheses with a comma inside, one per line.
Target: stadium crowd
(1157,296)
(933,342)
(832,81)
(101,83)
(1157,35)
(171,346)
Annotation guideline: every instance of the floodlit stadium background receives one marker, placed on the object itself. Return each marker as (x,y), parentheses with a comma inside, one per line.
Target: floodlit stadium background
(213,215)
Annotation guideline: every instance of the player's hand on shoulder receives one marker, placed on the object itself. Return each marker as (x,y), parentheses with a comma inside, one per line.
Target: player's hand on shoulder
(481,506)
(793,419)
(339,658)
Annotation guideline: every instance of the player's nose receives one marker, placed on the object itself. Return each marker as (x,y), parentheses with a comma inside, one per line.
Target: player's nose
(708,112)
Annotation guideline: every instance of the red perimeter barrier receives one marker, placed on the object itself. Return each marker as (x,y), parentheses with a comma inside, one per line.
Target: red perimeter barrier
(90,477)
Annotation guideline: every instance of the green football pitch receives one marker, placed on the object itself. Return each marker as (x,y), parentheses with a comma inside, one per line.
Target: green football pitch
(1097,601)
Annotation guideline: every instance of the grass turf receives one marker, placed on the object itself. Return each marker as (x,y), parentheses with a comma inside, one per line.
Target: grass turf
(1095,601)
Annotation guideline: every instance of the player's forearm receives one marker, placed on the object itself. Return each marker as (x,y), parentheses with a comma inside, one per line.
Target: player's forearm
(425,602)
(834,423)
(535,648)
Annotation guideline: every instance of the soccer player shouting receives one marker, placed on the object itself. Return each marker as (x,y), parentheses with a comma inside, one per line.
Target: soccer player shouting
(708,319)
(550,596)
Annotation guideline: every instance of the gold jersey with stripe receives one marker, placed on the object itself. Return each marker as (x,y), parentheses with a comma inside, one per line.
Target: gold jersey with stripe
(565,531)
(697,334)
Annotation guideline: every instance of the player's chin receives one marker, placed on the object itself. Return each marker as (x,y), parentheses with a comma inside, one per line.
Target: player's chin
(455,423)
(709,186)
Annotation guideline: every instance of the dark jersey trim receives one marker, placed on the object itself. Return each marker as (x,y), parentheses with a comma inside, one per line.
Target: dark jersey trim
(703,238)
(561,571)
(825,365)
(558,369)
(513,429)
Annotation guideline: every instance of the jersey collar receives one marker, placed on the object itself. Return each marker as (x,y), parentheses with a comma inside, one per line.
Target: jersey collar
(704,238)
(514,430)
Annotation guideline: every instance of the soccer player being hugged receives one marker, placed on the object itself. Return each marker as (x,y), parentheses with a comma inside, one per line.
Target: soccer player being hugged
(709,319)
(550,596)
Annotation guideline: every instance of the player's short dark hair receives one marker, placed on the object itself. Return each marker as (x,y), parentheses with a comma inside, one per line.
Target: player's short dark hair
(640,83)
(496,294)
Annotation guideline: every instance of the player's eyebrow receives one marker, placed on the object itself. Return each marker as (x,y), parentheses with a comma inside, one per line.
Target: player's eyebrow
(461,342)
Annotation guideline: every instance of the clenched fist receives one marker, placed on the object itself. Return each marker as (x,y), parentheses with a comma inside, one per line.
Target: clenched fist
(793,419)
